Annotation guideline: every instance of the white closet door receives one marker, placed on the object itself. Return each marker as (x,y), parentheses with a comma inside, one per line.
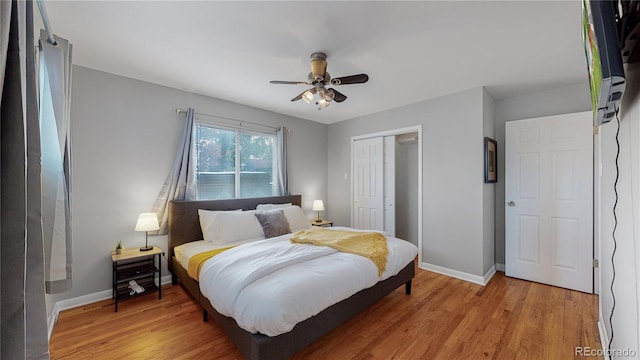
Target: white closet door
(390,185)
(368,186)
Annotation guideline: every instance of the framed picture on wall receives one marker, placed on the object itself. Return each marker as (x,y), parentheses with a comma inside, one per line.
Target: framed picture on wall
(490,160)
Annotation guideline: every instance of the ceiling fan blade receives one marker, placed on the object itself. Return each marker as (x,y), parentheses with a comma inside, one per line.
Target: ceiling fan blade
(338,96)
(288,82)
(300,96)
(351,79)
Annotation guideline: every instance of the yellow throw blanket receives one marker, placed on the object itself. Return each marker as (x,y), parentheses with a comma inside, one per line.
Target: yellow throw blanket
(371,245)
(197,260)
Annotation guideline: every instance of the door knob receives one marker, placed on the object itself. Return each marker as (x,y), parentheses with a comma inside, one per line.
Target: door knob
(511,203)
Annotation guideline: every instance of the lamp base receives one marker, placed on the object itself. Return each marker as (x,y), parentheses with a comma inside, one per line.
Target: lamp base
(146,248)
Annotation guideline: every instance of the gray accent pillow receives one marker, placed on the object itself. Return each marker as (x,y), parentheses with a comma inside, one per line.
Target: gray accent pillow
(273,223)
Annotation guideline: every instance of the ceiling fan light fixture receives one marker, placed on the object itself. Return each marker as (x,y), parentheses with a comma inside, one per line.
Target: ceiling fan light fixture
(307,96)
(328,94)
(323,103)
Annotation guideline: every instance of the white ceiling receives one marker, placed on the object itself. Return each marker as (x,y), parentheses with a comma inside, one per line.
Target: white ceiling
(412,51)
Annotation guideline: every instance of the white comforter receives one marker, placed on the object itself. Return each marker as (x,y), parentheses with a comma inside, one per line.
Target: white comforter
(269,286)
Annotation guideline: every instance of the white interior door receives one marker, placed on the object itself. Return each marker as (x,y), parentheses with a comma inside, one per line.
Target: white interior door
(368,186)
(549,200)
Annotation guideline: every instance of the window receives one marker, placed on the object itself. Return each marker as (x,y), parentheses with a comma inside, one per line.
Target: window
(233,163)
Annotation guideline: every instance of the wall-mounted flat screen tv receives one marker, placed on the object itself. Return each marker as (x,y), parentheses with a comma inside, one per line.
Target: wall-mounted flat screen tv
(604,58)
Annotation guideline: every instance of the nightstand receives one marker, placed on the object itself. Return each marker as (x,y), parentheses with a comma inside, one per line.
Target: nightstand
(322,223)
(133,264)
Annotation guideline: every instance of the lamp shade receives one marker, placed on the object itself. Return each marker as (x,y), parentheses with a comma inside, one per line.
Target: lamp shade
(147,222)
(318,205)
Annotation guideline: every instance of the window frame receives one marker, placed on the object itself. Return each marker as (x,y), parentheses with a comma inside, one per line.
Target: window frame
(238,130)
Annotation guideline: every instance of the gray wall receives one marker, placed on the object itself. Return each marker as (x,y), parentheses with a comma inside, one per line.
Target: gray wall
(488,190)
(406,190)
(565,100)
(124,136)
(452,174)
(626,315)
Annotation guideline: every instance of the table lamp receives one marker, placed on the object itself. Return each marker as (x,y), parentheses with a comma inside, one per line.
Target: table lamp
(318,206)
(147,222)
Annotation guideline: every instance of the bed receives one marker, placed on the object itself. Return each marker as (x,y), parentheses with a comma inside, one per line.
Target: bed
(184,227)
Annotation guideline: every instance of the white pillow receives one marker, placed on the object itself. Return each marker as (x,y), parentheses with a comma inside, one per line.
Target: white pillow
(296,218)
(235,226)
(273,206)
(207,222)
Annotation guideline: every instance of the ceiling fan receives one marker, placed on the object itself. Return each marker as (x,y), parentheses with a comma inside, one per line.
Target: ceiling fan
(319,78)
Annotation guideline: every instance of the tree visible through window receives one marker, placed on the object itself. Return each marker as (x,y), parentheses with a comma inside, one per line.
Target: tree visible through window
(222,174)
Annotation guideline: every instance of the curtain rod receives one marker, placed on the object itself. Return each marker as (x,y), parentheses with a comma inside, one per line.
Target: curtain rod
(181,111)
(45,20)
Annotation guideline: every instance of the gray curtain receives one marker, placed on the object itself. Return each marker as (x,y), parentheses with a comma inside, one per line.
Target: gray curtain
(55,94)
(180,184)
(281,161)
(23,325)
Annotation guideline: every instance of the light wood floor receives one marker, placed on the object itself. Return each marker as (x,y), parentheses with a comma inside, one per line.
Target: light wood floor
(444,318)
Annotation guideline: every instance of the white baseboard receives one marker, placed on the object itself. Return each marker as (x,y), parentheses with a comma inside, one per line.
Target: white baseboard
(604,338)
(480,280)
(165,280)
(84,300)
(489,275)
(51,320)
(73,303)
(500,267)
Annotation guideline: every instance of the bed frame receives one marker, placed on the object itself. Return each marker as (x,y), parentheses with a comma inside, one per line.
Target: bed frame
(184,227)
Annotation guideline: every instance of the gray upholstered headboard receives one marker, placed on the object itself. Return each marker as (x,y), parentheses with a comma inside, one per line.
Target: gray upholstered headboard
(184,225)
